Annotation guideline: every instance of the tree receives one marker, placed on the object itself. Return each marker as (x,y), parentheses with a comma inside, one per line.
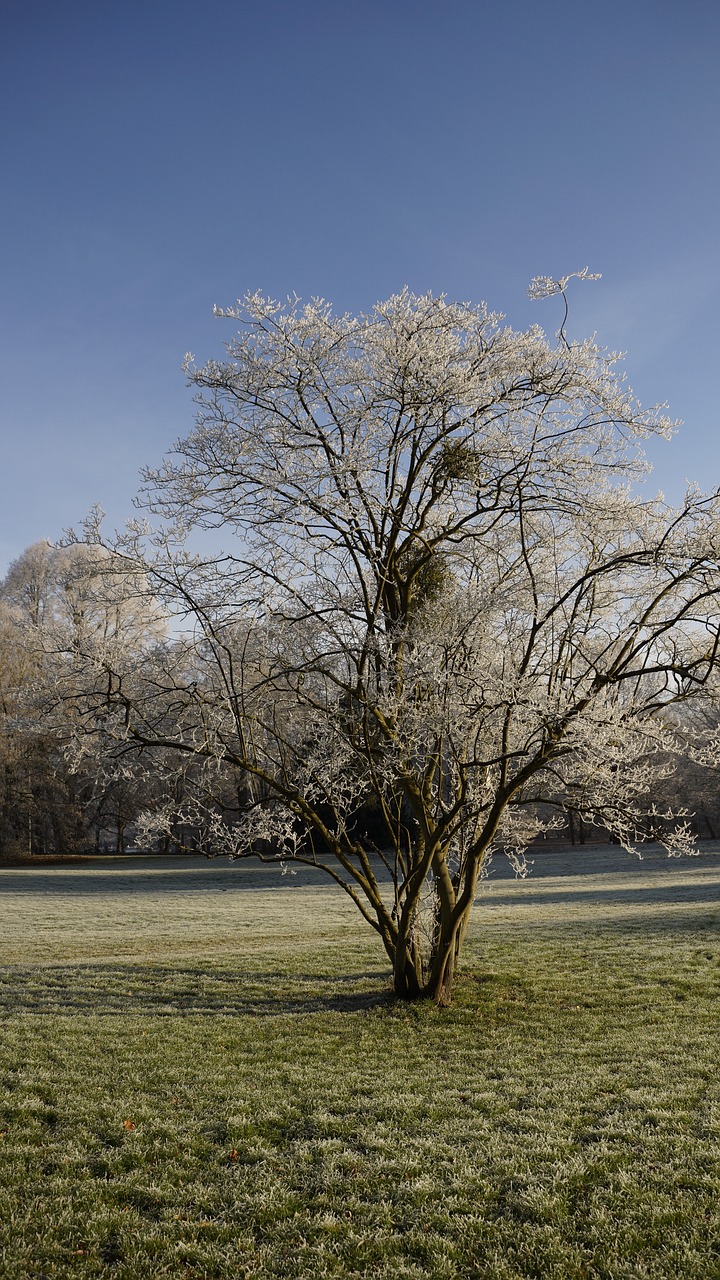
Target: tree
(440,602)
(54,602)
(41,802)
(690,781)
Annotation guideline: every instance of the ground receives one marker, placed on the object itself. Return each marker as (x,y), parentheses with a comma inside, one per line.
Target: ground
(202,1075)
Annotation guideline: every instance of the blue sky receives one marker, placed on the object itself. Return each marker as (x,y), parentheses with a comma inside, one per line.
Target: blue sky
(161,156)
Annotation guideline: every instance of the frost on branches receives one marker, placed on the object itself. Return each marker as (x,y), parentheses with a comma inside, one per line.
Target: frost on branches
(440,617)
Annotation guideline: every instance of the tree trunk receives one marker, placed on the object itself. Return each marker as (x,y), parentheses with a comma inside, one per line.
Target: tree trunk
(406,984)
(439,988)
(443,965)
(434,979)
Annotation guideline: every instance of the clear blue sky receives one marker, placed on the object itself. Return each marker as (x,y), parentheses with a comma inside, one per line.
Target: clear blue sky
(159,156)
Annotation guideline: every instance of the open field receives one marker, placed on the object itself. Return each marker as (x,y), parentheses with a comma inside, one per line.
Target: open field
(201,1075)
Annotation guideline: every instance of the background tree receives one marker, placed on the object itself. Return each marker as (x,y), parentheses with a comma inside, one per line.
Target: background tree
(690,782)
(439,601)
(42,807)
(59,606)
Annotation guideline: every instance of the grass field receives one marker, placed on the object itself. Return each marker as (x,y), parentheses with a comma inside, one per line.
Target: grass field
(202,1075)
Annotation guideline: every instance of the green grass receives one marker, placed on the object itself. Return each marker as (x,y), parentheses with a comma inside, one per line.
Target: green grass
(202,1075)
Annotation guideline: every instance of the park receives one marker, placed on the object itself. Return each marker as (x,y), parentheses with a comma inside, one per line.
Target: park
(360,641)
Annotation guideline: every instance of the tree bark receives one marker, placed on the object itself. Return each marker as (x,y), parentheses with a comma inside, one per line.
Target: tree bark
(435,979)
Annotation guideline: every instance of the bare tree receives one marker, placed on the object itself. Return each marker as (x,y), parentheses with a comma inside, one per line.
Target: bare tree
(439,602)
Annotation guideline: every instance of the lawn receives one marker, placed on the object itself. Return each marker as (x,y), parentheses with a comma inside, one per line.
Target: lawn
(202,1075)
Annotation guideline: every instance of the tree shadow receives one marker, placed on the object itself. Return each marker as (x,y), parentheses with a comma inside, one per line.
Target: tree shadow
(107,990)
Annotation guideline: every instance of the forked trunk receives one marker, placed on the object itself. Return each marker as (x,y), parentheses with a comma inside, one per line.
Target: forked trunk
(432,976)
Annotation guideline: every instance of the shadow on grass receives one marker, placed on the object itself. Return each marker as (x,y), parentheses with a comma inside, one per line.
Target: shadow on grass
(141,989)
(173,877)
(702,892)
(122,877)
(144,990)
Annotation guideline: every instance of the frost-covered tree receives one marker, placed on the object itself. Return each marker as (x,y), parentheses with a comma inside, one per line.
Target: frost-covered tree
(439,603)
(60,608)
